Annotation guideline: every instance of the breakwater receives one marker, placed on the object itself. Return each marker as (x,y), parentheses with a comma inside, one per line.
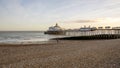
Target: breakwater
(92,37)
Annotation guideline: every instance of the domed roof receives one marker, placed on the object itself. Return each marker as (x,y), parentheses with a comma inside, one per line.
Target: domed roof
(55,28)
(57,25)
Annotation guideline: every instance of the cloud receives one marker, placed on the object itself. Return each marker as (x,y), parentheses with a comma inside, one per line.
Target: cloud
(85,21)
(97,20)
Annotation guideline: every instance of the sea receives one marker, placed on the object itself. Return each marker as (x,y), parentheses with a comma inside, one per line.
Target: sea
(25,37)
(38,37)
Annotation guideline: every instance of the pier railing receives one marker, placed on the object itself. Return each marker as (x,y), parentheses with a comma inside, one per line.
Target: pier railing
(96,32)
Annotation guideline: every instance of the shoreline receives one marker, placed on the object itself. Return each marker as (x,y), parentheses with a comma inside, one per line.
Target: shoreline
(53,41)
(50,42)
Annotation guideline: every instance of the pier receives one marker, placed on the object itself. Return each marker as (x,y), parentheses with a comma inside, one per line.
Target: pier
(96,32)
(92,35)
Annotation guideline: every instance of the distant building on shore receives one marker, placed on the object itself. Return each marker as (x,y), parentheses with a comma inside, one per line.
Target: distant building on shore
(55,30)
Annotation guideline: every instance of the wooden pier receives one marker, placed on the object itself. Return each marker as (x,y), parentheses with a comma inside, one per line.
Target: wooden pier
(96,32)
(92,35)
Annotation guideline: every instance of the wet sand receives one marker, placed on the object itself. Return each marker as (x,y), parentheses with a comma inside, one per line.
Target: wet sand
(64,54)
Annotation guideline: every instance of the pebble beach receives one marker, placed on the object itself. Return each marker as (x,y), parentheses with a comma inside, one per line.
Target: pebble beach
(64,54)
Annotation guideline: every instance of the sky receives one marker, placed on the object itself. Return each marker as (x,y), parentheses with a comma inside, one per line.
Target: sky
(37,15)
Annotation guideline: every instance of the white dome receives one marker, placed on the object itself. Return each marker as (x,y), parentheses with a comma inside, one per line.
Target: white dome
(55,28)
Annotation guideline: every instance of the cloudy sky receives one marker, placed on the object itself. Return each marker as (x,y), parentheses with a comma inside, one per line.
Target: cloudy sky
(40,14)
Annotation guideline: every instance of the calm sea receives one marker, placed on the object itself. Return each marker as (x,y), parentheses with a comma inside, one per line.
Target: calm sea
(17,37)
